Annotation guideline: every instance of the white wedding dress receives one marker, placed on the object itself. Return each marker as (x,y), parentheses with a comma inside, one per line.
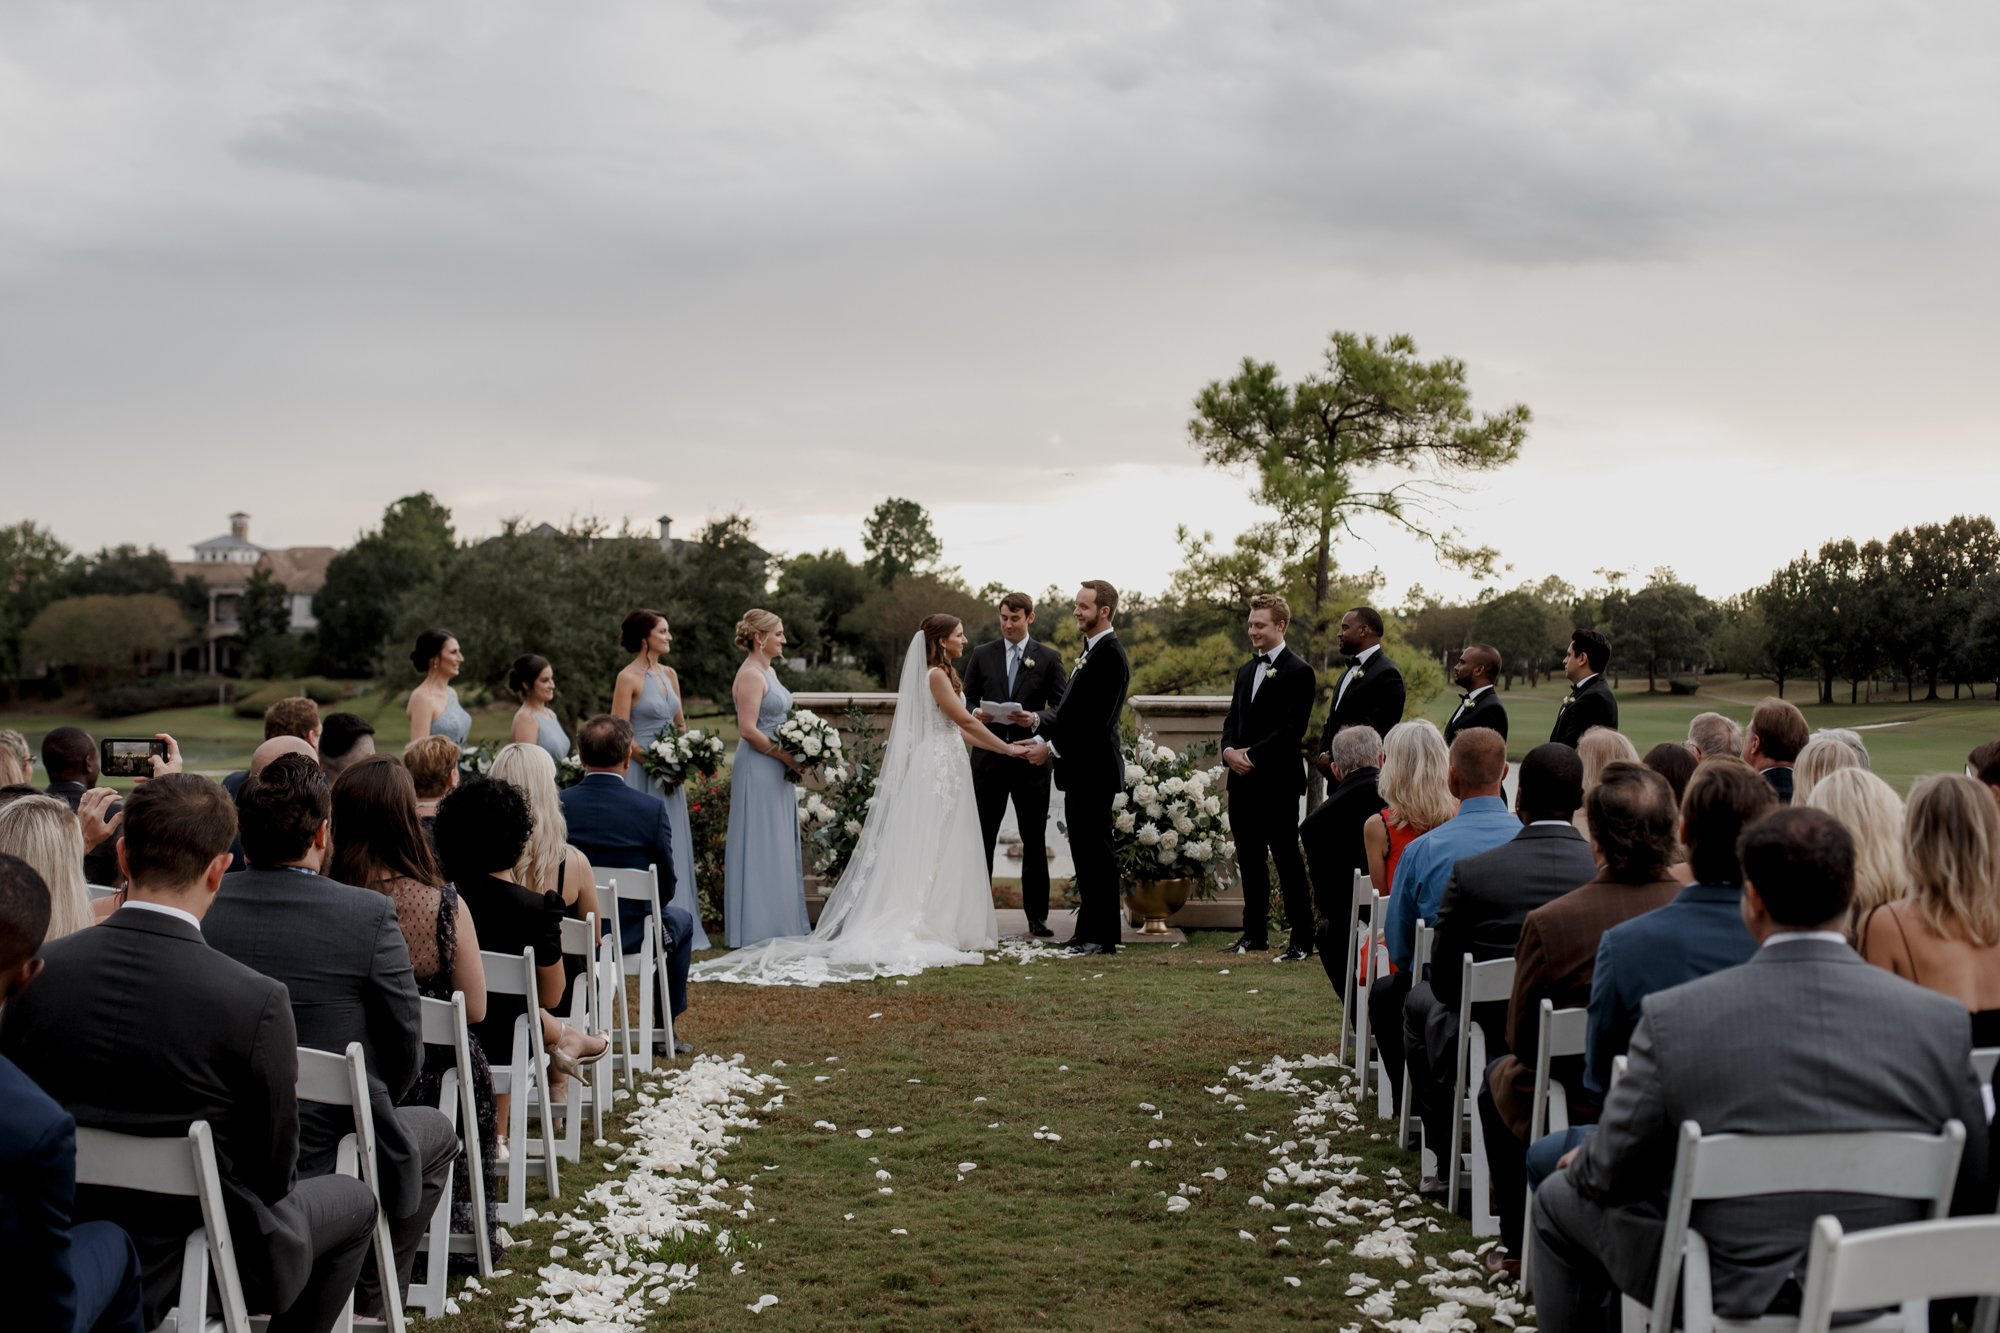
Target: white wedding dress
(916,893)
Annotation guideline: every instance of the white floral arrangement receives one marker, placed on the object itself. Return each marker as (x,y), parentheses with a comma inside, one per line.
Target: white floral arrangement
(475,761)
(669,759)
(1169,823)
(569,771)
(810,739)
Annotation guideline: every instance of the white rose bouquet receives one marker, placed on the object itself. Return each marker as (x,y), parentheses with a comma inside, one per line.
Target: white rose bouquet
(1167,824)
(670,759)
(475,761)
(811,740)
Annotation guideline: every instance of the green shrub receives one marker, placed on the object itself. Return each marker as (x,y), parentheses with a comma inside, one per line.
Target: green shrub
(1683,685)
(828,679)
(148,696)
(253,697)
(321,690)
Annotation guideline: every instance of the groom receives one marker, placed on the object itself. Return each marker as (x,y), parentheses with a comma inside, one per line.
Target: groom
(1081,735)
(1015,668)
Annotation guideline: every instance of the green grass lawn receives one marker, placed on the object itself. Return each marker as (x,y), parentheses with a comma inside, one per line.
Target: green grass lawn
(970,1064)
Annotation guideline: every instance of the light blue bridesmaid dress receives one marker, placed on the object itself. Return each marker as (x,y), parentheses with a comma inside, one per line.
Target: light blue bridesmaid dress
(654,712)
(550,736)
(763,881)
(453,721)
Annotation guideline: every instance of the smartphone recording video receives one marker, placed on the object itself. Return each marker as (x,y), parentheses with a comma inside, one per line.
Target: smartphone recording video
(129,758)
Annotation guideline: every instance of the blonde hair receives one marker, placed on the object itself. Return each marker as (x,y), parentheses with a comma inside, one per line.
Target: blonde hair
(1600,748)
(431,760)
(1873,815)
(1416,775)
(1825,754)
(755,623)
(530,771)
(44,832)
(1952,843)
(17,761)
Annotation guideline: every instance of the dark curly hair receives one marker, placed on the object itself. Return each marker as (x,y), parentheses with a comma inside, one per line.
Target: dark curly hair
(481,828)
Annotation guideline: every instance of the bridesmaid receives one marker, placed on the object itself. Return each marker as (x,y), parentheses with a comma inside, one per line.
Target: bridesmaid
(648,695)
(533,681)
(763,880)
(434,707)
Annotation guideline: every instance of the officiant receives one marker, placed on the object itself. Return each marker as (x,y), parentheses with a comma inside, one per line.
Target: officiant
(1015,669)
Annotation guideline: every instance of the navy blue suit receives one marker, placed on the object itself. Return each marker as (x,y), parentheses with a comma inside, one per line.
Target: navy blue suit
(618,827)
(61,1276)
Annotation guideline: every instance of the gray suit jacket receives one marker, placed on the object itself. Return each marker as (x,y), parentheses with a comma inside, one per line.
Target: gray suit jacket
(1805,1038)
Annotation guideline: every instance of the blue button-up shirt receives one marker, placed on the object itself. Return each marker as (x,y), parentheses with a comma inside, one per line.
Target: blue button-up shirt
(1482,823)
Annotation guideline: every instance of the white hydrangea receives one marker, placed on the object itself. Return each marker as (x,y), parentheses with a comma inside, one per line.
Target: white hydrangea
(1154,810)
(1162,755)
(1173,786)
(1148,836)
(1200,850)
(1166,856)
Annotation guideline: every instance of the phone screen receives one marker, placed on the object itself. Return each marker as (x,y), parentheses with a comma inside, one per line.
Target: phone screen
(131,758)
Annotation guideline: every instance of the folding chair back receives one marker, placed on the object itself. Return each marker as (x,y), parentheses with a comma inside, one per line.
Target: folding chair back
(183,1167)
(522,1077)
(1360,901)
(580,940)
(99,892)
(444,1025)
(648,963)
(1558,1033)
(327,1079)
(1420,959)
(1909,1265)
(1479,983)
(1984,1059)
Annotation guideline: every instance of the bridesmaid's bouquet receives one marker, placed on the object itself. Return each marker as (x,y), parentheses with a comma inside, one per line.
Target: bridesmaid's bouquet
(474,761)
(569,772)
(810,739)
(670,759)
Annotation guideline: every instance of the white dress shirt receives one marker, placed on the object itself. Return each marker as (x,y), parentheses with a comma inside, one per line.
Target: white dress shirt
(1360,661)
(165,910)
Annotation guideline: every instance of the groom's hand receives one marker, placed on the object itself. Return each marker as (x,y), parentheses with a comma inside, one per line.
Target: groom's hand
(1039,755)
(1238,761)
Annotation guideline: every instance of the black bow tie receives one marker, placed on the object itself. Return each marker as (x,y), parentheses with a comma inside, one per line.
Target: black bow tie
(1264,658)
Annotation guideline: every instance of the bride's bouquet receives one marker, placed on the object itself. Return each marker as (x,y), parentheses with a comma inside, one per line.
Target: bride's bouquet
(1168,823)
(670,759)
(810,739)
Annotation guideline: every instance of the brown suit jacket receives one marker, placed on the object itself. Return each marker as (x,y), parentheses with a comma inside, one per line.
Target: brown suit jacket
(1554,961)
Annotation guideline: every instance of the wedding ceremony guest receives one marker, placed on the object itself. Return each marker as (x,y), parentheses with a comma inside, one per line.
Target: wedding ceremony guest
(532,681)
(1713,736)
(1015,668)
(1945,935)
(17,761)
(1334,840)
(549,863)
(1777,733)
(618,827)
(1633,822)
(338,950)
(45,833)
(344,739)
(1477,672)
(1487,898)
(434,709)
(1599,748)
(763,879)
(647,694)
(294,716)
(1370,692)
(433,766)
(1873,815)
(379,844)
(1476,765)
(1673,761)
(1827,752)
(1984,763)
(69,758)
(1859,1052)
(1589,702)
(1263,736)
(137,1026)
(64,1276)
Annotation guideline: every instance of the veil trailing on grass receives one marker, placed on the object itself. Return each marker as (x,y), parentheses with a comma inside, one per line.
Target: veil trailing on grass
(916,892)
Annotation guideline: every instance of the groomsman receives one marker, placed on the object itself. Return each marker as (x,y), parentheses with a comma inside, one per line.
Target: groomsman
(1477,669)
(1018,670)
(1590,702)
(1262,742)
(1370,693)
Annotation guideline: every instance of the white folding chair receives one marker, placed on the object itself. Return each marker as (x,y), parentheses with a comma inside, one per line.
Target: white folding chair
(1419,960)
(444,1025)
(1559,1033)
(1887,1165)
(648,963)
(1360,899)
(1619,1064)
(580,939)
(1479,983)
(99,892)
(523,1078)
(1984,1060)
(183,1167)
(1908,1266)
(327,1079)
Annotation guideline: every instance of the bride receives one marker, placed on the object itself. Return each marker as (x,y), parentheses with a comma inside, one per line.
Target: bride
(916,892)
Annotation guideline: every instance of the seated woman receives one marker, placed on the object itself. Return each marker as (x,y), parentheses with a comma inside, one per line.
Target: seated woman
(45,833)
(433,765)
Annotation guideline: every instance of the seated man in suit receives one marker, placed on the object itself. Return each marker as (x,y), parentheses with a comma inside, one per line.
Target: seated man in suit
(341,957)
(1805,1038)
(1777,733)
(1590,702)
(1334,848)
(137,1026)
(1632,821)
(618,827)
(58,1276)
(1486,900)
(1370,692)
(1477,672)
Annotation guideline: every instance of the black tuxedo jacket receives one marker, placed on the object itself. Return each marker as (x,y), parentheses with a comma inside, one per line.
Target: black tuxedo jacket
(1488,898)
(1590,705)
(1485,711)
(137,1026)
(1271,728)
(100,863)
(1374,698)
(341,957)
(1084,726)
(1035,688)
(1332,833)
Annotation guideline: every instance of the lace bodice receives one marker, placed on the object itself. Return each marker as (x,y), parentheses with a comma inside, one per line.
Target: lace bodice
(428,918)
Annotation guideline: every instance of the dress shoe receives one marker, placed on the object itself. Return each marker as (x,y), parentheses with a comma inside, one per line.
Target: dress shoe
(1434,1188)
(1040,931)
(1088,950)
(1297,953)
(680,1047)
(1245,944)
(1497,1261)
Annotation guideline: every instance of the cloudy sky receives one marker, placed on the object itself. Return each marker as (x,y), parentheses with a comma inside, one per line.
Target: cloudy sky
(628,259)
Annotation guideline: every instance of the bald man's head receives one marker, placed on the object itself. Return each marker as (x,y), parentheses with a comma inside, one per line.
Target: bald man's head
(277,747)
(1478,762)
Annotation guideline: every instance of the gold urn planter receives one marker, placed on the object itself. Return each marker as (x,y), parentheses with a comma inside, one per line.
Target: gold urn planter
(1154,900)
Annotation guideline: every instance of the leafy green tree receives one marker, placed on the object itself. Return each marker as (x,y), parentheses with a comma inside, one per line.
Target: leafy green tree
(887,619)
(103,638)
(120,571)
(358,606)
(1791,606)
(264,619)
(1665,625)
(723,575)
(1438,627)
(1741,639)
(1318,447)
(33,573)
(899,541)
(1515,623)
(829,586)
(1938,569)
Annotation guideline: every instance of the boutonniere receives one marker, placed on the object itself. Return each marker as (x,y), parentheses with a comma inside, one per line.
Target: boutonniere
(1082,657)
(1028,663)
